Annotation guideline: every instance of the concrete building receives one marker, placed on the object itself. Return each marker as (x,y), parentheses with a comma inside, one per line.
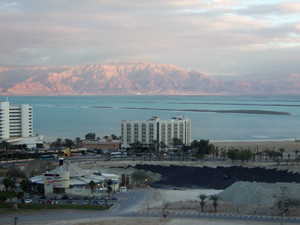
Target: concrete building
(16,125)
(155,129)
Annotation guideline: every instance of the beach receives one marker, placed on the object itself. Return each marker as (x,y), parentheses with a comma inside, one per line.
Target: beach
(288,145)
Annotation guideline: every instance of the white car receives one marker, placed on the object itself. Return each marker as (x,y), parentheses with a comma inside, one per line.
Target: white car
(27,201)
(85,202)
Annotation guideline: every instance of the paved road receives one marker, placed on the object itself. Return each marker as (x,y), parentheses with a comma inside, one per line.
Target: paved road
(130,204)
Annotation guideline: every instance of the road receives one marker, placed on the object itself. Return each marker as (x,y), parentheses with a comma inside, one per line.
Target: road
(130,204)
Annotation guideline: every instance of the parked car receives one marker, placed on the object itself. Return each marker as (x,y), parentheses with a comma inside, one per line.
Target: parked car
(43,197)
(54,202)
(41,201)
(65,197)
(58,197)
(52,197)
(69,202)
(76,197)
(100,198)
(28,196)
(114,198)
(100,202)
(106,198)
(49,202)
(85,202)
(27,201)
(74,202)
(71,197)
(95,202)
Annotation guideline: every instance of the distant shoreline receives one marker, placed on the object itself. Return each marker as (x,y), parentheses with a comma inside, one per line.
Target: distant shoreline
(208,111)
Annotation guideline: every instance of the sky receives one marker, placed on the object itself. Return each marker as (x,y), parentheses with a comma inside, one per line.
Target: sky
(215,37)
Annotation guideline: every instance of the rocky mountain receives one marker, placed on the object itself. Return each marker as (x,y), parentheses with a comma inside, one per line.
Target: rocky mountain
(134,78)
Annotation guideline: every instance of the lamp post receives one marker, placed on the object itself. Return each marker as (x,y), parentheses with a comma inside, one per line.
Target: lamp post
(283,189)
(147,195)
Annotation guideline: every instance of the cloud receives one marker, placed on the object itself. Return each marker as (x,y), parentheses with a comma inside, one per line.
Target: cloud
(190,34)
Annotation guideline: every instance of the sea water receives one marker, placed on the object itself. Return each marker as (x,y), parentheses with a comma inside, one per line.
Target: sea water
(74,116)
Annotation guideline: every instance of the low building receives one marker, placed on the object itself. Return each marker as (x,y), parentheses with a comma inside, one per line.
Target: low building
(102,144)
(72,180)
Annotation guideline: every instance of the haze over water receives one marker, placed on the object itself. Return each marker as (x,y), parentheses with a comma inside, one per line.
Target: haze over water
(74,116)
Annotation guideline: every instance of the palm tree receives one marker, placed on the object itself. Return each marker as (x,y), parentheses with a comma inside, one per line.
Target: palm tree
(281,152)
(109,190)
(77,141)
(266,152)
(296,152)
(92,185)
(213,152)
(20,195)
(58,144)
(215,199)
(202,198)
(6,183)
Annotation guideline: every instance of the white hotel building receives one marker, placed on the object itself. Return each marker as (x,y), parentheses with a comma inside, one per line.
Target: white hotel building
(155,129)
(16,125)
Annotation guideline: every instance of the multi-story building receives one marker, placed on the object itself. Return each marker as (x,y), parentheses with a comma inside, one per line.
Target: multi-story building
(155,129)
(16,125)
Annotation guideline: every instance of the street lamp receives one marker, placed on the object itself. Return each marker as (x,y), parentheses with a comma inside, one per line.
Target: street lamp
(147,195)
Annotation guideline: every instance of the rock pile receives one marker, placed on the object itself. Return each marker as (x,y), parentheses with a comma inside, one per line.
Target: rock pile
(259,193)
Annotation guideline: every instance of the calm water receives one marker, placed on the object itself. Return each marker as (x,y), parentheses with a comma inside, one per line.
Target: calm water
(75,116)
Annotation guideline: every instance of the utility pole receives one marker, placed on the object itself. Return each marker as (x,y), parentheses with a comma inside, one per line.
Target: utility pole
(283,189)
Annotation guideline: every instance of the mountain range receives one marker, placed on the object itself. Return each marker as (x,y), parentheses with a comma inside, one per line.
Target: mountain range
(137,77)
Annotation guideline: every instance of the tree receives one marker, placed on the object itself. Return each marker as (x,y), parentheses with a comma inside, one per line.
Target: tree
(215,199)
(77,141)
(266,151)
(166,204)
(40,189)
(20,196)
(3,198)
(139,177)
(109,190)
(6,183)
(162,145)
(90,136)
(202,198)
(281,150)
(92,186)
(203,147)
(176,141)
(15,172)
(69,143)
(114,137)
(296,152)
(245,155)
(233,154)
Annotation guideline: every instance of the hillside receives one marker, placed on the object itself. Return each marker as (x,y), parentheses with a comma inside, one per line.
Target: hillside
(133,78)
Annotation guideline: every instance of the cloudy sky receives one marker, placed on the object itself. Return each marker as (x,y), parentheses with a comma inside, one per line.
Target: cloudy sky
(216,37)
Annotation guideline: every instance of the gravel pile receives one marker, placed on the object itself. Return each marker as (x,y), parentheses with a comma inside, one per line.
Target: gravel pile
(259,193)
